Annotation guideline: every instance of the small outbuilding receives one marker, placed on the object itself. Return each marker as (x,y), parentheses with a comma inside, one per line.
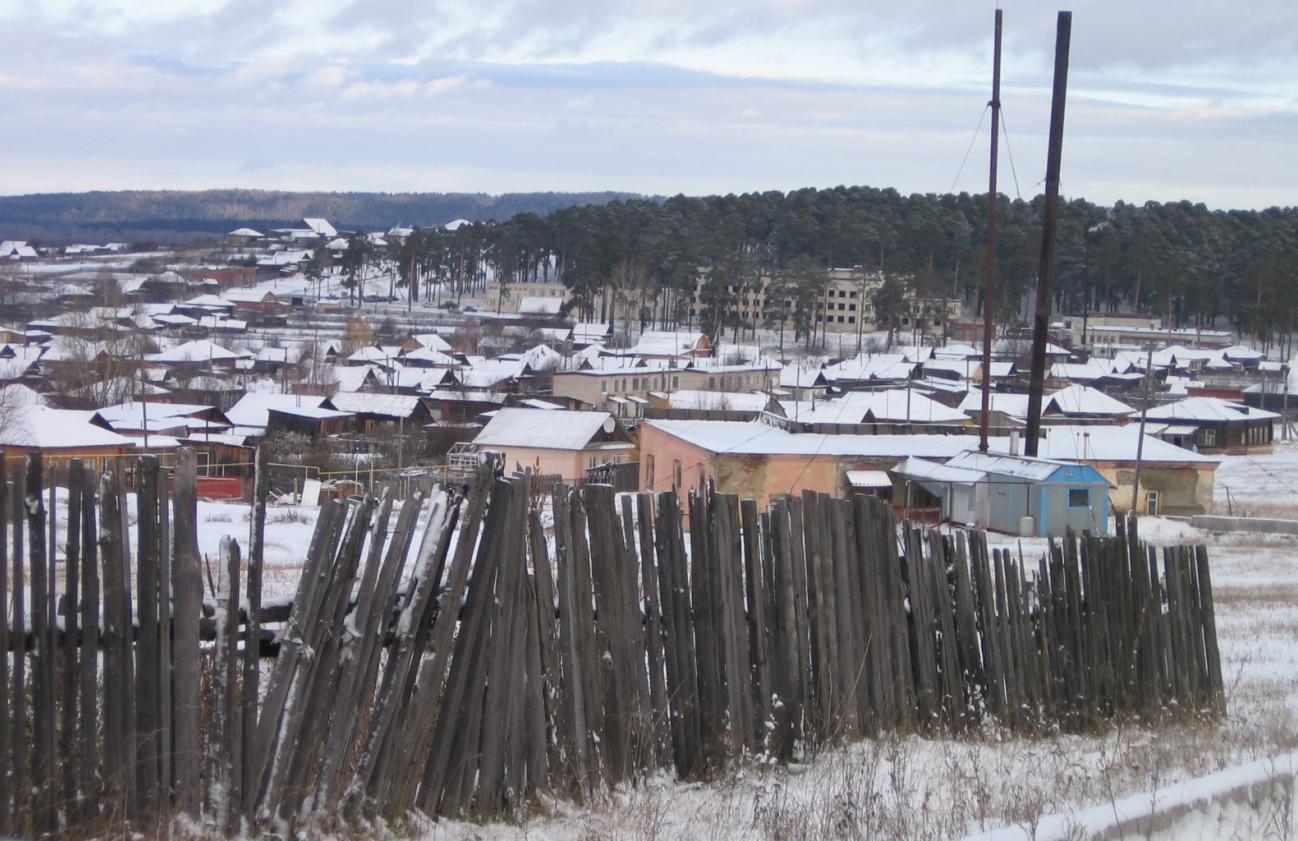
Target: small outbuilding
(1033,496)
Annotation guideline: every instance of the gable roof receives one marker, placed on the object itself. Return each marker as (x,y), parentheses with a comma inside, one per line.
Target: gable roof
(1111,443)
(388,405)
(253,410)
(320,226)
(542,429)
(40,427)
(1084,400)
(1208,410)
(199,350)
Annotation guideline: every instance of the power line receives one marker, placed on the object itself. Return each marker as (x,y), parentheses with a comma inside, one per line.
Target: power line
(1006,132)
(968,151)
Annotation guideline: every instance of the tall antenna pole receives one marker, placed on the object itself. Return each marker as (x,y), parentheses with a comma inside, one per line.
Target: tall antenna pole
(1041,328)
(989,286)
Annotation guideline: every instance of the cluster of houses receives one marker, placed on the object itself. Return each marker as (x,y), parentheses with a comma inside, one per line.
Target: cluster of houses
(220,361)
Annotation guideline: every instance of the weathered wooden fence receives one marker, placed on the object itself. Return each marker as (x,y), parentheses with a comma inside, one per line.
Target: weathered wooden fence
(513,654)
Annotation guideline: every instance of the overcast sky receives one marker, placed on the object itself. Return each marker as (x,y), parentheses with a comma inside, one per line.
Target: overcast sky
(1167,99)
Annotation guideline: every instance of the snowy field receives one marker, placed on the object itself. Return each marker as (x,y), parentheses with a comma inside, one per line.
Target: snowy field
(908,787)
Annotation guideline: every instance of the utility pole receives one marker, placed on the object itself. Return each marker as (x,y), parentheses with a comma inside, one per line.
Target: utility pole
(1144,408)
(1041,327)
(989,281)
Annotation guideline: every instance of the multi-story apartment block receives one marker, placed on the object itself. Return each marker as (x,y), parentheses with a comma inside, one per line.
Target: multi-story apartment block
(843,305)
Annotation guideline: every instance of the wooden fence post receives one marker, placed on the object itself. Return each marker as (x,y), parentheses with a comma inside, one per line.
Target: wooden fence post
(149,715)
(187,594)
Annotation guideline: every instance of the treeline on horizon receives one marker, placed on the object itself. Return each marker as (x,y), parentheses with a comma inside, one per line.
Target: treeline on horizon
(1180,260)
(1177,260)
(176,217)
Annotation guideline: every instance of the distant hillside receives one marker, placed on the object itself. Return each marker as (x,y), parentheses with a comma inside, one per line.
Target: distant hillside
(173,216)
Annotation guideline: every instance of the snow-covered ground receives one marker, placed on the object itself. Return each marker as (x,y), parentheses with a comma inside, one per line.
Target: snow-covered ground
(911,787)
(908,787)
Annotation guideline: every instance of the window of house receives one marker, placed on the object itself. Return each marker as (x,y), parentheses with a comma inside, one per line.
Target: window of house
(1210,437)
(649,472)
(676,382)
(603,386)
(1152,506)
(1079,497)
(676,473)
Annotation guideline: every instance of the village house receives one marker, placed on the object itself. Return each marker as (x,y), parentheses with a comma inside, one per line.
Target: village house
(1220,425)
(1173,480)
(625,389)
(59,435)
(555,443)
(377,411)
(760,460)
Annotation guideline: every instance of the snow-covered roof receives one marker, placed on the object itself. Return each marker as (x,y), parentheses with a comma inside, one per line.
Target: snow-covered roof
(667,343)
(1080,371)
(955,350)
(1084,400)
(539,306)
(253,410)
(1013,405)
(247,294)
(756,438)
(801,374)
(587,332)
(1109,443)
(132,413)
(208,301)
(1033,469)
(390,405)
(868,478)
(245,232)
(320,226)
(892,405)
(542,429)
(432,341)
(16,248)
(199,350)
(931,471)
(879,366)
(43,428)
(1208,409)
(312,412)
(427,355)
(17,395)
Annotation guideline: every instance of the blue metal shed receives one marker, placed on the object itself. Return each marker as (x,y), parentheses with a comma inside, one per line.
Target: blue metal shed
(1059,496)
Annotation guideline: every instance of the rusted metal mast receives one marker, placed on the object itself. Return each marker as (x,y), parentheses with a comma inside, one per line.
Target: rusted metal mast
(1041,327)
(989,281)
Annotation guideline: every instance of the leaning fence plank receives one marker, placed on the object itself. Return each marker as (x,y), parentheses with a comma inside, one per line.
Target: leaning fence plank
(43,751)
(148,715)
(7,784)
(69,752)
(21,779)
(187,587)
(572,717)
(252,629)
(653,626)
(88,678)
(1208,621)
(755,589)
